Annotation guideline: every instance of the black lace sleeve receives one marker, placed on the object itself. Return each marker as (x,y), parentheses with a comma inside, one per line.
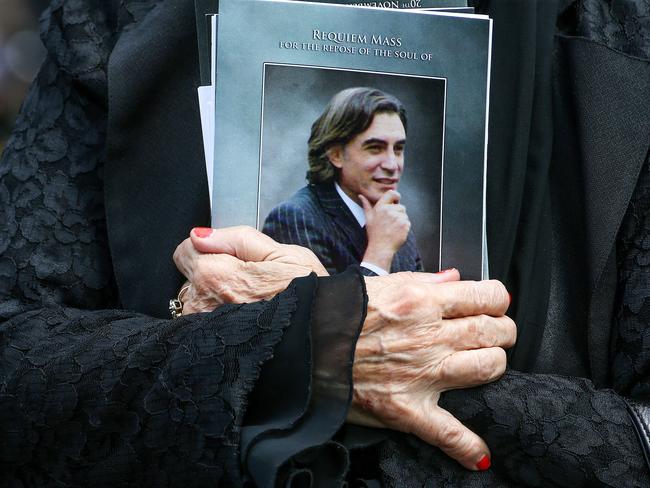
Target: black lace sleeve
(112,398)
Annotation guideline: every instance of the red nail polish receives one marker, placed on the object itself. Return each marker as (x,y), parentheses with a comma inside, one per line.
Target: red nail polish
(202,232)
(484,463)
(509,298)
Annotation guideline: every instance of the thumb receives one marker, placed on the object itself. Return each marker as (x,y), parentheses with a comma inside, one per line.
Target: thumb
(242,242)
(367,207)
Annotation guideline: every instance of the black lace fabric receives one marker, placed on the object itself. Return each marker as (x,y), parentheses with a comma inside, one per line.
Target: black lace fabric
(109,398)
(631,361)
(53,241)
(623,25)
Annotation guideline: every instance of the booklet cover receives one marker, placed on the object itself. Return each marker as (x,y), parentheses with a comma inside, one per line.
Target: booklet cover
(279,63)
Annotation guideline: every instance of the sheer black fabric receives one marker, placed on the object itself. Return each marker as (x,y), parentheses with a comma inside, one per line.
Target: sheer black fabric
(297,419)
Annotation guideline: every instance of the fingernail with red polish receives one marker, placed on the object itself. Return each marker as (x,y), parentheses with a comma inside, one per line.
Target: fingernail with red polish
(445,271)
(484,463)
(509,298)
(202,231)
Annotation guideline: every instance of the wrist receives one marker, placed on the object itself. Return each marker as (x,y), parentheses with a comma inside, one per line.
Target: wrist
(382,258)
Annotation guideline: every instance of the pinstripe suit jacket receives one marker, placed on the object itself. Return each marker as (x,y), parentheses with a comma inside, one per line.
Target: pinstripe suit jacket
(316,217)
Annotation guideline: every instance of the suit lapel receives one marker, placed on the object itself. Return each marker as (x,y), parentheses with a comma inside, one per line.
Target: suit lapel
(614,136)
(155,184)
(345,222)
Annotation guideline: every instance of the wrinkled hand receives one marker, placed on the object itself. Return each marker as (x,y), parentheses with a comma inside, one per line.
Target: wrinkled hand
(238,265)
(420,338)
(387,227)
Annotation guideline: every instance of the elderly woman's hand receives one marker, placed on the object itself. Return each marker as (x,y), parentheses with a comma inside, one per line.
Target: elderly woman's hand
(420,338)
(423,334)
(238,265)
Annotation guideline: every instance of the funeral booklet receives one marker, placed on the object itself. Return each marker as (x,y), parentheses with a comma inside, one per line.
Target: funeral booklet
(278,65)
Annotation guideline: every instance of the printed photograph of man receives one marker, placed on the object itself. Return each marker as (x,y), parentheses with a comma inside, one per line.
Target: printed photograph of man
(350,211)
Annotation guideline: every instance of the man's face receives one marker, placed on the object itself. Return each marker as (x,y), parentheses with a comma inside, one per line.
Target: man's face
(372,162)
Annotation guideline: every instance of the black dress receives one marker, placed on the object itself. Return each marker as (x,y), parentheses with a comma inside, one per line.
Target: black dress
(95,390)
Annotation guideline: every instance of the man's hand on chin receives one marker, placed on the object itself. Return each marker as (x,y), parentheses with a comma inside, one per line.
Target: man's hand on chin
(387,227)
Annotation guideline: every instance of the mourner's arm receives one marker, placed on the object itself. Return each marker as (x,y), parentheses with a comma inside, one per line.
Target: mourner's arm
(423,334)
(541,428)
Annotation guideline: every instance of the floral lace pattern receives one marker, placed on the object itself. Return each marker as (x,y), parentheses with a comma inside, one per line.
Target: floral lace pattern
(631,362)
(124,400)
(54,245)
(624,25)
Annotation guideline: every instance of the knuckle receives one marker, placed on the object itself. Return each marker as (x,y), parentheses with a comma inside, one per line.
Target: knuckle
(444,373)
(485,370)
(245,229)
(468,447)
(294,250)
(178,252)
(406,300)
(245,232)
(306,254)
(405,275)
(201,277)
(488,331)
(501,361)
(477,327)
(499,293)
(475,294)
(490,366)
(512,330)
(414,294)
(227,295)
(450,435)
(176,256)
